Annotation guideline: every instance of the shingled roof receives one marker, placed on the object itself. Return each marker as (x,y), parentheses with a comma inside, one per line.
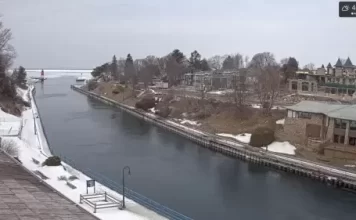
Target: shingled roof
(348,63)
(346,112)
(329,65)
(338,63)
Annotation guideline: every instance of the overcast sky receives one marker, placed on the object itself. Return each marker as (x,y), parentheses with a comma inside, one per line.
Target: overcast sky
(86,33)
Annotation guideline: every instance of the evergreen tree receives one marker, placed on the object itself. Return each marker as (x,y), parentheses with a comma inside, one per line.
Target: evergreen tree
(195,61)
(21,78)
(228,63)
(178,55)
(114,68)
(204,66)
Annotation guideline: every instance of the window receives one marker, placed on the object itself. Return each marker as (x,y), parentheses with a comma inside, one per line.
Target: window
(305,86)
(290,115)
(336,138)
(294,85)
(342,139)
(352,141)
(337,123)
(343,124)
(304,115)
(353,125)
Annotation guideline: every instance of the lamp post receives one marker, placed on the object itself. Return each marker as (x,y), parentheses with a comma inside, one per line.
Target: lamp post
(123,184)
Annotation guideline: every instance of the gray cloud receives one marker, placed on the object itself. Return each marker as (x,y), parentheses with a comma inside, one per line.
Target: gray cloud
(85,33)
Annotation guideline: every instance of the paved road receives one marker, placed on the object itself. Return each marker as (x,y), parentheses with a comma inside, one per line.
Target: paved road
(23,196)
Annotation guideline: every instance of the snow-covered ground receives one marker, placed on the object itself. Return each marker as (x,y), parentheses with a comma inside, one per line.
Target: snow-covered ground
(32,146)
(281,147)
(186,121)
(244,138)
(22,93)
(220,92)
(185,127)
(277,147)
(9,124)
(273,108)
(280,122)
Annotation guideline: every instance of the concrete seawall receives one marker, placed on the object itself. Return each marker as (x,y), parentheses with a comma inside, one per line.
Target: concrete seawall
(337,177)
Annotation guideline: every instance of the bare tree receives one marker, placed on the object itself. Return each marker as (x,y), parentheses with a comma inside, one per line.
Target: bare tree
(215,62)
(130,72)
(149,70)
(7,52)
(239,88)
(310,66)
(267,73)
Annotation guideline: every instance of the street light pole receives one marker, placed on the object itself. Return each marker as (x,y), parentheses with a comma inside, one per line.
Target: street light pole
(123,184)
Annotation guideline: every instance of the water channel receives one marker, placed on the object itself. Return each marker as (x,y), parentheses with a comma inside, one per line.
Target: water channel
(173,171)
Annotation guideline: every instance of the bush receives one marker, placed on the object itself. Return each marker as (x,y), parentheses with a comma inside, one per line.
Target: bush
(163,111)
(92,84)
(71,178)
(52,161)
(9,147)
(262,137)
(61,178)
(118,89)
(146,103)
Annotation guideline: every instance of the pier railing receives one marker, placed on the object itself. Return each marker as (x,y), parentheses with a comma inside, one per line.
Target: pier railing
(106,182)
(136,197)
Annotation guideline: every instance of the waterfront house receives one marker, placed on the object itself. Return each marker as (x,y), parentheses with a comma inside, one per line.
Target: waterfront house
(339,79)
(321,126)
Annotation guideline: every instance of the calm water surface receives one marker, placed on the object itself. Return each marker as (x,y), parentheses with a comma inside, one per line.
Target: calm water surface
(174,171)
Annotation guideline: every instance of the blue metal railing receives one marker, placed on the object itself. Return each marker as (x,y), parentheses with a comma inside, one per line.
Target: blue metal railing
(138,198)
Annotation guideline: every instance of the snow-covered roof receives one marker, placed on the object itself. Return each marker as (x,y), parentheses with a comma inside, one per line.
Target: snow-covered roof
(346,112)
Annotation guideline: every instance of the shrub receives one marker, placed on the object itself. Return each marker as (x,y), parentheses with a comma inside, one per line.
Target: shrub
(52,161)
(118,89)
(262,136)
(10,147)
(92,84)
(163,111)
(146,103)
(60,178)
(71,178)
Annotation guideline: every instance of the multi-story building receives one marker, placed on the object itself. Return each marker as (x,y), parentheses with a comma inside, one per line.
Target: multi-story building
(338,80)
(210,80)
(323,126)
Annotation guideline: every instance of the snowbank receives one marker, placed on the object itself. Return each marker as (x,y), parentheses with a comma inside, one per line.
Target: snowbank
(281,147)
(244,138)
(9,124)
(185,127)
(186,121)
(280,122)
(23,93)
(32,146)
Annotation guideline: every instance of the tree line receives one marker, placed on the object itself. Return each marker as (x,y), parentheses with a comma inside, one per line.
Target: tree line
(8,82)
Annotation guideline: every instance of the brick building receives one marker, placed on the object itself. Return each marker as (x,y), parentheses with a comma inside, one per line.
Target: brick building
(316,125)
